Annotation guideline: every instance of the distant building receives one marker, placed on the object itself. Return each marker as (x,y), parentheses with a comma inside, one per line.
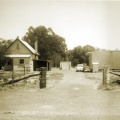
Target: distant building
(65,65)
(101,58)
(20,55)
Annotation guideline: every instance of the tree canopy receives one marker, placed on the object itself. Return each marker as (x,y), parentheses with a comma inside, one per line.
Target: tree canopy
(3,47)
(50,45)
(78,54)
(53,47)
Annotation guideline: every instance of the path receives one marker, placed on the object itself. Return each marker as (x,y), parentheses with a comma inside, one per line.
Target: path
(74,98)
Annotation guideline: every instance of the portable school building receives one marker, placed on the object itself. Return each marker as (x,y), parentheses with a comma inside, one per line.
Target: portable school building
(111,58)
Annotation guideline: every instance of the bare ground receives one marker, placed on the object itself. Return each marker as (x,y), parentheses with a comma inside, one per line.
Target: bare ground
(69,95)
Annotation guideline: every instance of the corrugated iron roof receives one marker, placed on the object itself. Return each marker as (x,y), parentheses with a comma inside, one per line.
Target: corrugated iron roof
(29,47)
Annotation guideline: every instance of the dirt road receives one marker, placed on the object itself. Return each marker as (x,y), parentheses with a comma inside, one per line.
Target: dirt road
(73,98)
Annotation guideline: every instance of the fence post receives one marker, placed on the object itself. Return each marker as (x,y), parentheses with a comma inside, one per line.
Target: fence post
(13,75)
(43,77)
(106,74)
(24,69)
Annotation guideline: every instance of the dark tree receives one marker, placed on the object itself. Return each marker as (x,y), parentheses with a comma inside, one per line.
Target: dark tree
(50,45)
(87,49)
(79,54)
(3,47)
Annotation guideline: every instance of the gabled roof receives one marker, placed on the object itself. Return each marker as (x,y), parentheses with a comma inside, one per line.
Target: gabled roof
(29,47)
(26,45)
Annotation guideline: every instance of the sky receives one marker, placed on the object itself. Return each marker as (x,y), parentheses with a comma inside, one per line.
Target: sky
(95,23)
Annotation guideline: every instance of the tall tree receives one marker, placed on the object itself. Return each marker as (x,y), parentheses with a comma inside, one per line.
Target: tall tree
(86,49)
(49,43)
(78,54)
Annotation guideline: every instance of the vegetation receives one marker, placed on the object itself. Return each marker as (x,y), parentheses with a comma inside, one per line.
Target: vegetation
(53,47)
(79,54)
(3,46)
(50,45)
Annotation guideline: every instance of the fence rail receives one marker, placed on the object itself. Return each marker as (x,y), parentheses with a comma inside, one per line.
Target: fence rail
(117,74)
(19,79)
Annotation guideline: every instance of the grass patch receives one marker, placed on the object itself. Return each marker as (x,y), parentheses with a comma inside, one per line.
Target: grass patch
(53,79)
(94,76)
(33,82)
(6,76)
(55,76)
(113,84)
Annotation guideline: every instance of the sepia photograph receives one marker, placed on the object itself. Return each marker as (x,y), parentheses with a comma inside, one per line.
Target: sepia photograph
(59,59)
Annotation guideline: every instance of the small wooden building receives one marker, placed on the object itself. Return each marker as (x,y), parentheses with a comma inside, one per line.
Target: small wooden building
(37,64)
(20,55)
(65,65)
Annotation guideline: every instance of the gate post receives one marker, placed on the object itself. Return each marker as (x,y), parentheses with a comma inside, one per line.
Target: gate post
(43,78)
(106,74)
(13,75)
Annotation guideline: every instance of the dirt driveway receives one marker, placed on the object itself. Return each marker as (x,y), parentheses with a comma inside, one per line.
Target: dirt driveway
(72,98)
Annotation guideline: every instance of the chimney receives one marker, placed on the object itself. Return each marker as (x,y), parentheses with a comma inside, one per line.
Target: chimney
(36,45)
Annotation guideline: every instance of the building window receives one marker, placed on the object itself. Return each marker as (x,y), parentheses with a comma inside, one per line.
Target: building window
(9,61)
(21,61)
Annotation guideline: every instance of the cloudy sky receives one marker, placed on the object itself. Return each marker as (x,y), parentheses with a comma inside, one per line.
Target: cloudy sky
(96,23)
